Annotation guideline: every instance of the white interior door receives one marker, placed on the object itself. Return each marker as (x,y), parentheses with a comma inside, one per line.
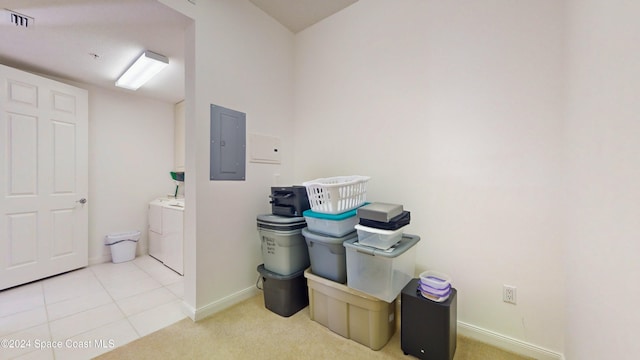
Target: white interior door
(43,178)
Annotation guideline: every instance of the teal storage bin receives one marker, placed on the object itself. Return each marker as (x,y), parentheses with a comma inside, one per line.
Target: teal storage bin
(331,224)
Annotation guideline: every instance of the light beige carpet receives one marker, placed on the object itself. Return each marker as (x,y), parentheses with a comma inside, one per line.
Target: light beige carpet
(249,330)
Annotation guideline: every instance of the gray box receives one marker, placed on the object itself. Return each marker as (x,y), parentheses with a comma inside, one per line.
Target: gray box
(328,255)
(379,211)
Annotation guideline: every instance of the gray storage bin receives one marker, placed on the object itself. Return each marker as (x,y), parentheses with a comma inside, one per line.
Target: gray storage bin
(283,251)
(328,255)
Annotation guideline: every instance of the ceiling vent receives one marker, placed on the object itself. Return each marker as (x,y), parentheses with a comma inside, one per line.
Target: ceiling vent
(18,19)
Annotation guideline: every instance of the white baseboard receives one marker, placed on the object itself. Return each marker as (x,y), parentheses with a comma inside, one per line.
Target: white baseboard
(141,251)
(218,305)
(507,343)
(100,259)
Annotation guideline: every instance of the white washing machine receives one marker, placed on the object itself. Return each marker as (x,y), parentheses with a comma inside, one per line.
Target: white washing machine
(166,239)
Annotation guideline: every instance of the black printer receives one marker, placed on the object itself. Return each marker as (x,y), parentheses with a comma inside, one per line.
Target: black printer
(289,200)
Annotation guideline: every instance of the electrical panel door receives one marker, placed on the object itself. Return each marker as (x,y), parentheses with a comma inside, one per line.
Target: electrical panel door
(228,144)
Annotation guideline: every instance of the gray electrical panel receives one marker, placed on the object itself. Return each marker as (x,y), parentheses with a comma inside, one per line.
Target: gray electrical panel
(228,144)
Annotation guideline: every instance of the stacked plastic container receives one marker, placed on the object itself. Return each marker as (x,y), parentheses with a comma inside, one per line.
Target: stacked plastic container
(434,286)
(381,224)
(284,252)
(331,223)
(381,261)
(324,235)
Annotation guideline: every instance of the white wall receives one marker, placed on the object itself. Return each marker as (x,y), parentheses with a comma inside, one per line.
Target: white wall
(454,109)
(603,147)
(239,58)
(130,157)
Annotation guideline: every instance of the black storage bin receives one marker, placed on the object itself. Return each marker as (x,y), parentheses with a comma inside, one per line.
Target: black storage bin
(284,295)
(289,200)
(428,328)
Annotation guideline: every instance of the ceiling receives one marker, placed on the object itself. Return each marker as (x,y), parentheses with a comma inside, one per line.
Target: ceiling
(297,15)
(93,41)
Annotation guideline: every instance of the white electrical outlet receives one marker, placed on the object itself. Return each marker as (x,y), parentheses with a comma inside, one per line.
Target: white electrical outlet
(509,294)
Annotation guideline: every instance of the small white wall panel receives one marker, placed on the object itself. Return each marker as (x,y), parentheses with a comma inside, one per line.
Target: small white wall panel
(23,239)
(64,157)
(264,149)
(23,154)
(63,232)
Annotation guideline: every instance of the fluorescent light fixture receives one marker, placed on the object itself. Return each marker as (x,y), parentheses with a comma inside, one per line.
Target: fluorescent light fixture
(142,70)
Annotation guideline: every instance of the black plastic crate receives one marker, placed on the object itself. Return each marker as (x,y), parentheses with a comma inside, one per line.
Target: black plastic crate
(284,295)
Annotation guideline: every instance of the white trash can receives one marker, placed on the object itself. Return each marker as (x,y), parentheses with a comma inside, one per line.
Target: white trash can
(123,245)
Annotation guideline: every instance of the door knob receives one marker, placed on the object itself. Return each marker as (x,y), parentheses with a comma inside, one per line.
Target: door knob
(82,201)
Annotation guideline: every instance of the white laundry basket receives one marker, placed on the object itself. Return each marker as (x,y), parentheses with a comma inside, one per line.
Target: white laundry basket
(336,195)
(123,245)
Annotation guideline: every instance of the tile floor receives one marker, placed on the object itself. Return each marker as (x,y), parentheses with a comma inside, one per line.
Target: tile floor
(87,312)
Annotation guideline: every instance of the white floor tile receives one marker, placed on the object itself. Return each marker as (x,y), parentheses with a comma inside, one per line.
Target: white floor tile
(146,301)
(39,354)
(157,318)
(70,286)
(78,304)
(117,278)
(67,278)
(22,320)
(147,262)
(73,325)
(21,298)
(81,305)
(135,283)
(177,288)
(98,341)
(106,271)
(27,340)
(163,274)
(116,335)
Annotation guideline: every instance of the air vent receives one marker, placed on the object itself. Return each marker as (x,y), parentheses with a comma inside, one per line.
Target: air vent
(18,19)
